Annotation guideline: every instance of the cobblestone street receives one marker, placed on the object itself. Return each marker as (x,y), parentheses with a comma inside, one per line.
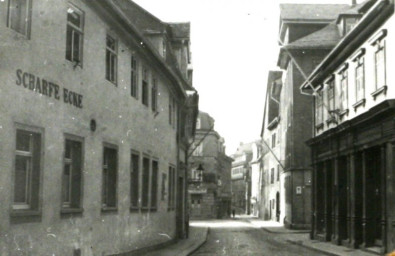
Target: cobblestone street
(239,237)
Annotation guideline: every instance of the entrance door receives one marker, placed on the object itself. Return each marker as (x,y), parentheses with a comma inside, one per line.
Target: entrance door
(180,206)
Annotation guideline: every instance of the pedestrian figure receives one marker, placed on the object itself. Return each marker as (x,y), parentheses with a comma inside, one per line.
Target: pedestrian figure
(233,212)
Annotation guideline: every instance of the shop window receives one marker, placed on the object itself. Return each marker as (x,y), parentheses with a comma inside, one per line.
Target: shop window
(27,170)
(134,181)
(111,59)
(74,35)
(154,95)
(109,190)
(72,174)
(19,16)
(133,77)
(144,88)
(154,185)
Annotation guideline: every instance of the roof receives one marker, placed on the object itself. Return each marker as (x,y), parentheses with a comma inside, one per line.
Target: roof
(206,121)
(326,37)
(311,11)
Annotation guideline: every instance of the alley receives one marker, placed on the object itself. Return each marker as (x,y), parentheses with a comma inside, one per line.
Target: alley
(237,237)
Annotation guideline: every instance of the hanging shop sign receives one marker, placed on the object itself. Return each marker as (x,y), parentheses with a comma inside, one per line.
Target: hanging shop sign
(47,88)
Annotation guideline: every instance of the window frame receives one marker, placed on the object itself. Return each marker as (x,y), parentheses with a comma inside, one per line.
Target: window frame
(380,47)
(112,53)
(145,87)
(34,206)
(80,31)
(319,102)
(154,181)
(360,65)
(104,204)
(134,87)
(135,205)
(28,25)
(154,94)
(70,207)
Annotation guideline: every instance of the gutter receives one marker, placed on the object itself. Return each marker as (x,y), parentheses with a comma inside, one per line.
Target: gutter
(343,44)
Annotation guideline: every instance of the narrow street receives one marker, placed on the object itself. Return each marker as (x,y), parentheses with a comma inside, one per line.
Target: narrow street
(239,237)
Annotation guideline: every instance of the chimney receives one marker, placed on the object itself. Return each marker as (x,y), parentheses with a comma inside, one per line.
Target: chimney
(353,2)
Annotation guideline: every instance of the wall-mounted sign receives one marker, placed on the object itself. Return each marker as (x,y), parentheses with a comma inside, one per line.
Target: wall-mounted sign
(49,89)
(197,190)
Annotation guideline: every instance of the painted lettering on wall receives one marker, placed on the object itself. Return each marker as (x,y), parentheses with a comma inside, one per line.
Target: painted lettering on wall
(49,89)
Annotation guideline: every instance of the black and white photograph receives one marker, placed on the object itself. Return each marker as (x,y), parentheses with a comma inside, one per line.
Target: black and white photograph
(197,127)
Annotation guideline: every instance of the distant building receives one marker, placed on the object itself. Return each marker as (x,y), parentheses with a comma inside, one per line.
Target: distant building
(209,178)
(353,139)
(303,35)
(241,179)
(95,121)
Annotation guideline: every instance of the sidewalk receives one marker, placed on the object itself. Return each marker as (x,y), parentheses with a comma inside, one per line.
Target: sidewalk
(197,237)
(301,238)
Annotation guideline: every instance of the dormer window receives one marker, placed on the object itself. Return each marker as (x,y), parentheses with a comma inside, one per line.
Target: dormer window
(348,23)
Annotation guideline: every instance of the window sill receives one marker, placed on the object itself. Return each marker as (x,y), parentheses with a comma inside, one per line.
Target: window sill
(331,120)
(343,113)
(319,126)
(381,90)
(134,208)
(71,211)
(24,213)
(74,64)
(113,82)
(359,103)
(109,209)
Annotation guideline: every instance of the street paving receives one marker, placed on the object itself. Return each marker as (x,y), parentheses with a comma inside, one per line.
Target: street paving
(238,237)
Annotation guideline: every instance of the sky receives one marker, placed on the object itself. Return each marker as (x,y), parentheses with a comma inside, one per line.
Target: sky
(233,45)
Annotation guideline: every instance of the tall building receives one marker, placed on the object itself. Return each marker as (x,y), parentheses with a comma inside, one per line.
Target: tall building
(241,178)
(305,37)
(96,113)
(353,131)
(209,180)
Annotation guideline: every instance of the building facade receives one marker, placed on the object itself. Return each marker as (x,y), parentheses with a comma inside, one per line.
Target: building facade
(352,147)
(93,128)
(209,180)
(241,179)
(303,36)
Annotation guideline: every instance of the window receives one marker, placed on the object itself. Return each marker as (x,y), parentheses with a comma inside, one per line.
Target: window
(163,192)
(198,124)
(134,181)
(331,95)
(380,66)
(145,184)
(111,59)
(145,87)
(164,48)
(198,151)
(72,174)
(174,113)
(109,192)
(154,185)
(170,110)
(272,176)
(154,95)
(133,77)
(19,16)
(360,80)
(278,172)
(171,188)
(319,112)
(27,170)
(273,140)
(74,35)
(343,90)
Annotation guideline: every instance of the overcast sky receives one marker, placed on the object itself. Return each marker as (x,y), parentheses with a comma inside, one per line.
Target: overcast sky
(234,45)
